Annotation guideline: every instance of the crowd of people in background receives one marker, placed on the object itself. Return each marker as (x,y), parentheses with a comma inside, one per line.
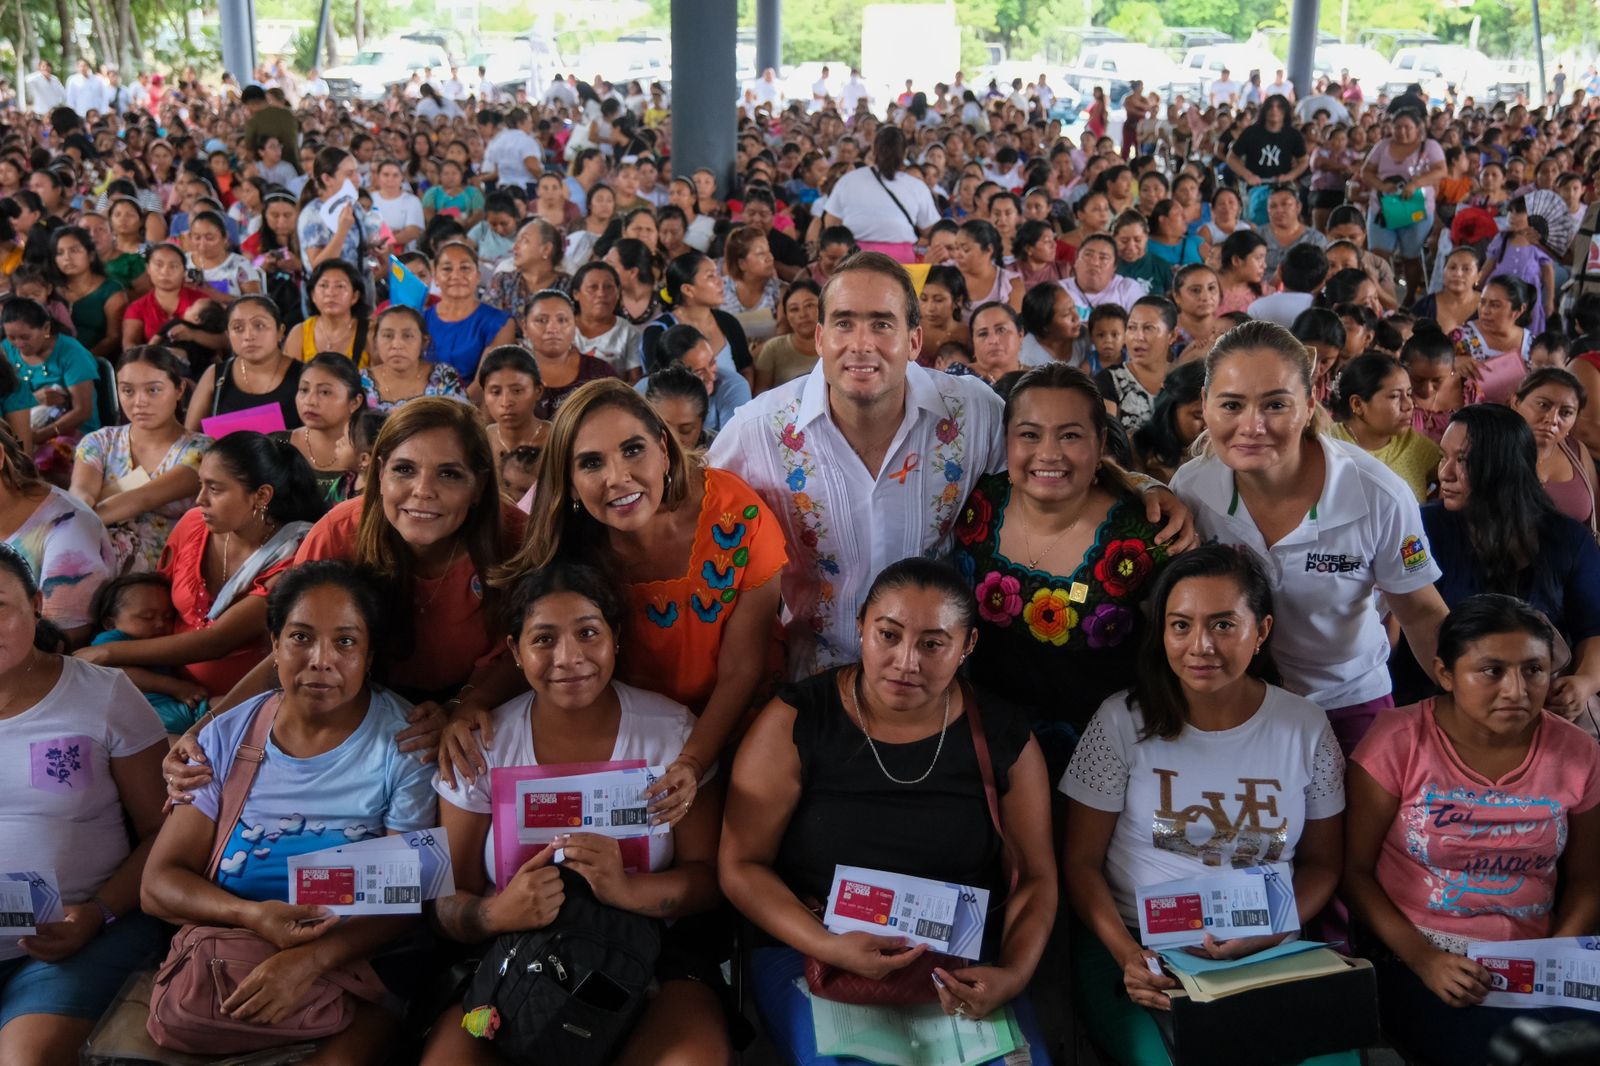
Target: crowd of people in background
(1027,489)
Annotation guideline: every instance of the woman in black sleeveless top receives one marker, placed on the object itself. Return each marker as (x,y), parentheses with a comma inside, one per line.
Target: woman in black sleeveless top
(877,766)
(255,372)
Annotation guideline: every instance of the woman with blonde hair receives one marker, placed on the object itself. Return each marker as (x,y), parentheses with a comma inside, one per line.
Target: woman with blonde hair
(697,552)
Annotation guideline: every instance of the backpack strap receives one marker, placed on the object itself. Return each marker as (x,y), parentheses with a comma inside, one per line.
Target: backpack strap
(247,759)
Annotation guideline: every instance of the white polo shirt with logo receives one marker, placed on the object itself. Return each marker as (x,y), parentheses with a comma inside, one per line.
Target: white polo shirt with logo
(1363,535)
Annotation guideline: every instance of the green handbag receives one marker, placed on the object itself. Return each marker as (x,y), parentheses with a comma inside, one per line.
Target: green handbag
(1397,211)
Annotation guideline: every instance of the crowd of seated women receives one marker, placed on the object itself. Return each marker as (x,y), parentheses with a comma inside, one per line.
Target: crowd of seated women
(1122,538)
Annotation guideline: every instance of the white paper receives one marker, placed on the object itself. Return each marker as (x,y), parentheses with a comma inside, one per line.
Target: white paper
(334,205)
(941,914)
(378,876)
(610,803)
(28,899)
(1556,972)
(1253,901)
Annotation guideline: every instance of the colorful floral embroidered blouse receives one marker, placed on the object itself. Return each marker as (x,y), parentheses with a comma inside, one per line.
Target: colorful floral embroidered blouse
(674,628)
(1056,645)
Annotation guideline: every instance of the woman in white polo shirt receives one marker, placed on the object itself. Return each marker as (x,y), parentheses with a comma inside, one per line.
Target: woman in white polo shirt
(1332,524)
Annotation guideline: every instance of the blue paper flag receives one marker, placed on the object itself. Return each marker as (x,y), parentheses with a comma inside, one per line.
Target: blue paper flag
(405,288)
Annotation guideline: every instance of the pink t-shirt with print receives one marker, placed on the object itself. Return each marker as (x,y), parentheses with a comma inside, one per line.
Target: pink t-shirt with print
(1468,857)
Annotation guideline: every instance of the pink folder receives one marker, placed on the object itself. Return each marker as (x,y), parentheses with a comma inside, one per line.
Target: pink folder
(268,418)
(509,853)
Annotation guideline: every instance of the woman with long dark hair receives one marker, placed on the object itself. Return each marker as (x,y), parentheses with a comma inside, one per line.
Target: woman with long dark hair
(1205,714)
(1495,529)
(257,501)
(97,302)
(694,293)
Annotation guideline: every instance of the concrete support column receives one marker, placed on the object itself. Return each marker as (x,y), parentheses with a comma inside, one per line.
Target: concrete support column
(769,35)
(1303,15)
(238,39)
(705,88)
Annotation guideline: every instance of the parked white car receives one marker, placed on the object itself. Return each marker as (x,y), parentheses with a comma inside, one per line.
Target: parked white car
(370,75)
(1438,67)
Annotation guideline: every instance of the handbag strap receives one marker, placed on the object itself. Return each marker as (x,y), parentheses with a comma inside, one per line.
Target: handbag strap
(247,759)
(885,187)
(991,794)
(1587,476)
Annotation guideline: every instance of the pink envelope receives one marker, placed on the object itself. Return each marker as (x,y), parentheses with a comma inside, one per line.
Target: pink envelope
(268,418)
(509,853)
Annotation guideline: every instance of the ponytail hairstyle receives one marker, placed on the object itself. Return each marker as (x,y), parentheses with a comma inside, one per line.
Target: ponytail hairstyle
(1108,475)
(888,151)
(1362,378)
(954,282)
(1427,344)
(680,273)
(1259,335)
(985,236)
(1520,295)
(256,460)
(340,366)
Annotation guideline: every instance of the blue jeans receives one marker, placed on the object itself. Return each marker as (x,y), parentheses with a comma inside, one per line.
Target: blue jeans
(1406,242)
(786,1011)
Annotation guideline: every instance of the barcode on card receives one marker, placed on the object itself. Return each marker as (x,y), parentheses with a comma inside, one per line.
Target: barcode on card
(933,930)
(1251,917)
(629,816)
(402,894)
(1581,990)
(15,919)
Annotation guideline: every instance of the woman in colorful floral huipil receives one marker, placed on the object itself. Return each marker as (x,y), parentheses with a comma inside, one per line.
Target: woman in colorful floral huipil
(1060,554)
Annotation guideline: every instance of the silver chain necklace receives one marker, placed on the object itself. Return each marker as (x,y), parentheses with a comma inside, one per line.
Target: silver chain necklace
(855,705)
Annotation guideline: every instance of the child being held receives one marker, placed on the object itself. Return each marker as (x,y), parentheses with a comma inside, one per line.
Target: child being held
(518,469)
(197,334)
(139,607)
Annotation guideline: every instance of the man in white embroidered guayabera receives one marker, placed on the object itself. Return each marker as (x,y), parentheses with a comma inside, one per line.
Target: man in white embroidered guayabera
(869,458)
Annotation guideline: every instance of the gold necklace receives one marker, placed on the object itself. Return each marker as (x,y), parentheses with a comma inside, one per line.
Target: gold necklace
(1027,541)
(312,452)
(227,545)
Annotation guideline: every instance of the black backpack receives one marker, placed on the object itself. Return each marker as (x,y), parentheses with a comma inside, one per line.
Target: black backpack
(569,993)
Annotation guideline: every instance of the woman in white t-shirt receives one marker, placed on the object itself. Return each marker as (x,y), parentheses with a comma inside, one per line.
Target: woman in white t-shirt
(80,758)
(886,207)
(1332,524)
(565,621)
(1203,765)
(399,208)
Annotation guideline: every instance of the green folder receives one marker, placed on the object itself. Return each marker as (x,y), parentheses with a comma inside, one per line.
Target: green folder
(912,1036)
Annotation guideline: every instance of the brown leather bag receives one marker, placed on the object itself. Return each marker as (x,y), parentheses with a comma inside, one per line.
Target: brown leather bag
(206,963)
(913,983)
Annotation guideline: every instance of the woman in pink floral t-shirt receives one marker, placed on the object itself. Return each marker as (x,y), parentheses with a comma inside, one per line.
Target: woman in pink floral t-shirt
(1465,813)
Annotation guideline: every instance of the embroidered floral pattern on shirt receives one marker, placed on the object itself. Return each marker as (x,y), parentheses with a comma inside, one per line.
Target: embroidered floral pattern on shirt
(949,457)
(1093,606)
(800,466)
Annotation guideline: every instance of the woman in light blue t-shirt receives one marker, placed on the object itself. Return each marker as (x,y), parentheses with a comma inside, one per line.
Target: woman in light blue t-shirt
(331,775)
